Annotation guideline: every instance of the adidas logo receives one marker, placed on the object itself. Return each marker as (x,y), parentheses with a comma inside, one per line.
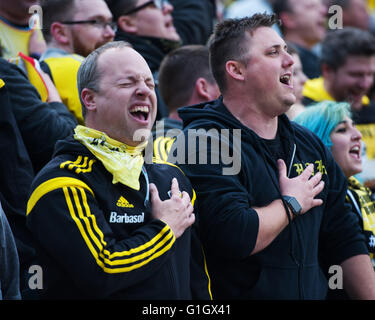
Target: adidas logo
(123,203)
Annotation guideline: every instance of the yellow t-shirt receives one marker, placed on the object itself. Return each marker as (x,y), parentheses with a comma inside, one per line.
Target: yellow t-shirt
(14,39)
(371,6)
(64,73)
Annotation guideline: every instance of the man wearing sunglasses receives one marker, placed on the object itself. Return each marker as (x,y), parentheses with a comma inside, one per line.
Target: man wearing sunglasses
(72,30)
(148,27)
(147,18)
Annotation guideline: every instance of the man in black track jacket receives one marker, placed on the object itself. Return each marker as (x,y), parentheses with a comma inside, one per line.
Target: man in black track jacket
(273,215)
(108,224)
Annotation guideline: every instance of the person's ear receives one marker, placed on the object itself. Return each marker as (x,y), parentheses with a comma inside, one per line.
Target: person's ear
(60,33)
(287,20)
(235,69)
(88,97)
(127,24)
(327,72)
(202,88)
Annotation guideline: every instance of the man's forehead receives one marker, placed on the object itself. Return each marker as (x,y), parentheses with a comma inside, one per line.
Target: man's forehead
(91,9)
(126,60)
(268,37)
(125,52)
(303,3)
(357,61)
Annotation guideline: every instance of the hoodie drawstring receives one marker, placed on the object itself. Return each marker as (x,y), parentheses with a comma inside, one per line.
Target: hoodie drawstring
(147,198)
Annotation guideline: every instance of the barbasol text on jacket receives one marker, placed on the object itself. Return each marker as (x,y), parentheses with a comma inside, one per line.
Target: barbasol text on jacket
(125,218)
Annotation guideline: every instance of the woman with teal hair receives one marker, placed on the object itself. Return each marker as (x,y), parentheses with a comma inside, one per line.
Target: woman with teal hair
(332,123)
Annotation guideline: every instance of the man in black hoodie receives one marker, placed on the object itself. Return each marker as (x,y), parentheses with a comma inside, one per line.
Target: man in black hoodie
(267,230)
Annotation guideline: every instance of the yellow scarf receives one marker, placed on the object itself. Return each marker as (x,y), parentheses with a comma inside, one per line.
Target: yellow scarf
(123,161)
(366,206)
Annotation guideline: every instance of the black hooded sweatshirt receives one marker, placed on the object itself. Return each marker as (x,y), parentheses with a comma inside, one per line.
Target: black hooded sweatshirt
(290,267)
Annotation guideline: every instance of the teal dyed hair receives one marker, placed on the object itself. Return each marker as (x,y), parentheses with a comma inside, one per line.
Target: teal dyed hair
(322,117)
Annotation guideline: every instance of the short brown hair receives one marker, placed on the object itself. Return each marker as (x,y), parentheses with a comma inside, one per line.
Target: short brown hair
(54,11)
(119,7)
(227,42)
(179,71)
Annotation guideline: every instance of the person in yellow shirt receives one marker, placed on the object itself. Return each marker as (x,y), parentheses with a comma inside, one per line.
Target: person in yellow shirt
(72,30)
(17,31)
(348,69)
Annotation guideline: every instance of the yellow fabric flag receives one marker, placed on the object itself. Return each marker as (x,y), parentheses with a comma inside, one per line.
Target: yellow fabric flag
(31,67)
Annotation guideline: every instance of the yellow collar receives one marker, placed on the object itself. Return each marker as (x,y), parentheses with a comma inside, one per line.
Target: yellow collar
(314,90)
(122,161)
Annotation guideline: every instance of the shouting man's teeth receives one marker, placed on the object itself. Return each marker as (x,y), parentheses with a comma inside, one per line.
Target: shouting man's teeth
(285,79)
(144,109)
(140,112)
(355,150)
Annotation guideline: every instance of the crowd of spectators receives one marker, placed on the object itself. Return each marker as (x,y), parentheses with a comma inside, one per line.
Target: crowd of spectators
(50,47)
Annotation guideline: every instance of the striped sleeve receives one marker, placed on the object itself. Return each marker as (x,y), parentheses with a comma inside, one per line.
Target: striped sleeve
(162,147)
(67,206)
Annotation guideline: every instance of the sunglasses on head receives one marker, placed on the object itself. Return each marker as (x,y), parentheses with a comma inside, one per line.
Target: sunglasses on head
(157,3)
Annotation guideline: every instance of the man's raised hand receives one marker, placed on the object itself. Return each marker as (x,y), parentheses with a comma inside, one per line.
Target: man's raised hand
(303,187)
(177,211)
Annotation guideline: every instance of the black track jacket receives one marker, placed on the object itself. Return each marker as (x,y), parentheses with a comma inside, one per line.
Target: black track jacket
(98,240)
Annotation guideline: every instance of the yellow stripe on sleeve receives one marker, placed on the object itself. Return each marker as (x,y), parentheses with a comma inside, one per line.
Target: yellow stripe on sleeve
(51,185)
(79,166)
(111,262)
(71,163)
(89,230)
